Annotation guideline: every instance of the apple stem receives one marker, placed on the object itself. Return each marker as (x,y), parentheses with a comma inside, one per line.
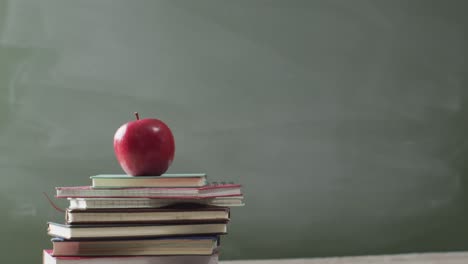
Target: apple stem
(137,116)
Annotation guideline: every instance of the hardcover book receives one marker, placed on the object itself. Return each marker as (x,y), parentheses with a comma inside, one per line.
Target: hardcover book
(133,230)
(209,191)
(174,214)
(165,180)
(116,203)
(49,259)
(155,246)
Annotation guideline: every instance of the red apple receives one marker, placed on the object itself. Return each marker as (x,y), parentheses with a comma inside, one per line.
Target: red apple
(144,147)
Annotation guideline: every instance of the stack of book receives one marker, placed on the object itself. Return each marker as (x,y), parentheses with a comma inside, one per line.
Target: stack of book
(173,218)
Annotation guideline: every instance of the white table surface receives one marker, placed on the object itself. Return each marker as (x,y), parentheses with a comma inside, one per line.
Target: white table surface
(425,258)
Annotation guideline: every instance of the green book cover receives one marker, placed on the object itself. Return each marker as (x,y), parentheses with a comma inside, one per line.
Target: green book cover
(166,175)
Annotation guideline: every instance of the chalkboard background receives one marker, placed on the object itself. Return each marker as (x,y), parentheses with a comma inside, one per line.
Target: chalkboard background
(346,121)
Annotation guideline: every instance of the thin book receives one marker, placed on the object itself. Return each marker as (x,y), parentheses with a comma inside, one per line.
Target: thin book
(117,203)
(165,180)
(208,191)
(132,230)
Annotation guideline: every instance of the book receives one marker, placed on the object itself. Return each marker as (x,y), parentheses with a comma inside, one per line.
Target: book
(115,203)
(134,231)
(49,259)
(209,191)
(175,214)
(155,246)
(165,180)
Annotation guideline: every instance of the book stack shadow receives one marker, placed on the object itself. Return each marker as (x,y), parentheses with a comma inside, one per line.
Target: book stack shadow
(173,218)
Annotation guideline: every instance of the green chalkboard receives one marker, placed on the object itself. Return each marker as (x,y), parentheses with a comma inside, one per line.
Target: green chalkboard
(346,121)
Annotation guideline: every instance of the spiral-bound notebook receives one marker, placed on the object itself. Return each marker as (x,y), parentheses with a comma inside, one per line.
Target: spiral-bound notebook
(209,191)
